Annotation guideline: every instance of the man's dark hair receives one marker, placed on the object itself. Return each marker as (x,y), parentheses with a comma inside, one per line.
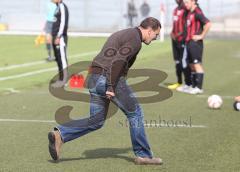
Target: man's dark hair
(151,22)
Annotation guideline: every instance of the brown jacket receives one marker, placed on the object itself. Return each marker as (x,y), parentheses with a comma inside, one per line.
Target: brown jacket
(118,55)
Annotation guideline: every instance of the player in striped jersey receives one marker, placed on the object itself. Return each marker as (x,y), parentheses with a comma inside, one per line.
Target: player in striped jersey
(197,27)
(178,45)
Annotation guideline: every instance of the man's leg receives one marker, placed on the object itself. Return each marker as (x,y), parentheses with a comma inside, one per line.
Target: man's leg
(185,69)
(196,52)
(199,75)
(49,47)
(178,61)
(128,103)
(186,66)
(178,64)
(77,128)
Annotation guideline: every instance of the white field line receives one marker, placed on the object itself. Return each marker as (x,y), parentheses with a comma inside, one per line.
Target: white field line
(70,34)
(146,125)
(224,97)
(23,120)
(38,71)
(44,61)
(11,90)
(173,126)
(21,65)
(28,74)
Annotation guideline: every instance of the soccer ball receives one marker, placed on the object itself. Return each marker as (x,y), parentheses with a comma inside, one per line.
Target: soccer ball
(236,106)
(214,102)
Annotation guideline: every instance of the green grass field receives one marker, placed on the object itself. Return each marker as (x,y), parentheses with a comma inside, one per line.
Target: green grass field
(24,95)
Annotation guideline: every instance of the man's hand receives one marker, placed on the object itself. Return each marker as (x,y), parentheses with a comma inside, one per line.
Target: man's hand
(110,94)
(197,37)
(57,41)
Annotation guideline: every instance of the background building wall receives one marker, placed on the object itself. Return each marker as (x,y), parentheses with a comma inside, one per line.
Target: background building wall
(110,15)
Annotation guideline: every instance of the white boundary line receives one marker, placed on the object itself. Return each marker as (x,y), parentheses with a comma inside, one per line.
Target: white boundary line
(72,34)
(11,90)
(174,126)
(21,65)
(146,125)
(28,74)
(206,96)
(44,61)
(39,71)
(23,120)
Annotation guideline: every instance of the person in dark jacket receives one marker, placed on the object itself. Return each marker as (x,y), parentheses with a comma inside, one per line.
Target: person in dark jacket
(107,84)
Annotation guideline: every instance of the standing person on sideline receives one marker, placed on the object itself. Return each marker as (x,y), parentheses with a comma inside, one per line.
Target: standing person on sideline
(60,38)
(178,36)
(197,27)
(51,8)
(107,83)
(145,9)
(131,13)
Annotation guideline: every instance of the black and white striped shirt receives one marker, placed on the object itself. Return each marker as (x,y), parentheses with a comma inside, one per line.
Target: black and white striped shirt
(60,25)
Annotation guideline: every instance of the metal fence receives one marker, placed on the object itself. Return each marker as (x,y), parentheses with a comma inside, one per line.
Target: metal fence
(110,15)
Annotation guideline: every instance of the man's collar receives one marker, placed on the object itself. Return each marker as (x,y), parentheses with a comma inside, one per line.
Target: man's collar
(140,33)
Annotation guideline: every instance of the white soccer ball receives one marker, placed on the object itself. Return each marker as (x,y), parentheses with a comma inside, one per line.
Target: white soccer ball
(214,102)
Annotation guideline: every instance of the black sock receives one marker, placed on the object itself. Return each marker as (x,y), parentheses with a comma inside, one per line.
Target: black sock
(49,49)
(187,76)
(179,72)
(199,80)
(193,78)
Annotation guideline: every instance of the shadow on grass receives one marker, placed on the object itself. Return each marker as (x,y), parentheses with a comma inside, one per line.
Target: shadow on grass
(100,153)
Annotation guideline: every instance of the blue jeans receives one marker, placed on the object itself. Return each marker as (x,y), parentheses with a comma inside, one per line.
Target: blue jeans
(99,104)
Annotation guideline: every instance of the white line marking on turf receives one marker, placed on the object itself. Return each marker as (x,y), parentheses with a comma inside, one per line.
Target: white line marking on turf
(23,120)
(12,90)
(146,125)
(22,65)
(39,71)
(224,97)
(72,34)
(28,74)
(173,126)
(44,61)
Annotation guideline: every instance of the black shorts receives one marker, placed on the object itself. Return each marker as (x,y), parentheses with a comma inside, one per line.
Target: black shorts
(180,53)
(178,49)
(195,51)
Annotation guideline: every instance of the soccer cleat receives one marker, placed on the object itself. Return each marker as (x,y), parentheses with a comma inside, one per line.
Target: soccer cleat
(195,90)
(183,88)
(55,143)
(174,86)
(148,161)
